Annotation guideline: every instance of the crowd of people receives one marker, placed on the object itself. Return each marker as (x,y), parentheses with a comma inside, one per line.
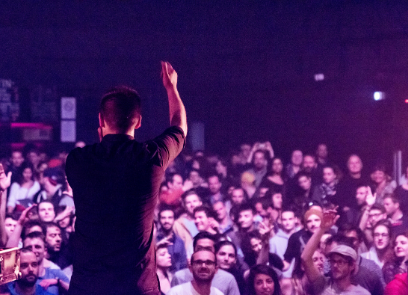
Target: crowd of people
(246,224)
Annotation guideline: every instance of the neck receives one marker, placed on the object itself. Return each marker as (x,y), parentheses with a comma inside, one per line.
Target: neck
(168,232)
(289,232)
(203,288)
(355,175)
(107,130)
(342,284)
(161,272)
(248,229)
(25,290)
(225,220)
(381,253)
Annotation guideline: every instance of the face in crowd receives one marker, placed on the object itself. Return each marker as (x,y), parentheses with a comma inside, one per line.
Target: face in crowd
(260,161)
(226,257)
(191,202)
(381,237)
(201,220)
(264,285)
(313,223)
(214,184)
(309,163)
(340,266)
(305,182)
(328,175)
(401,246)
(166,220)
(354,164)
(245,219)
(374,216)
(297,157)
(288,221)
(53,238)
(28,268)
(203,266)
(9,225)
(361,195)
(46,212)
(221,210)
(176,183)
(318,260)
(163,258)
(37,246)
(238,196)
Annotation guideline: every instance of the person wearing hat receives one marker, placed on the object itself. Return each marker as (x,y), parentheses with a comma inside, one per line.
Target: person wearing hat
(53,181)
(342,261)
(297,241)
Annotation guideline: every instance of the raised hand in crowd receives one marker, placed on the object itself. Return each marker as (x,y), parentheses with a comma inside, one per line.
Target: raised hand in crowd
(15,236)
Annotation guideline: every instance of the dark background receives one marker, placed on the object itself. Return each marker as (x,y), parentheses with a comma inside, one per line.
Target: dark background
(246,69)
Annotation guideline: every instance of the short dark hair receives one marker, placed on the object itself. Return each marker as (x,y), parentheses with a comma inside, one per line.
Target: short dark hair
(170,177)
(164,207)
(393,198)
(192,255)
(266,270)
(120,107)
(208,212)
(246,207)
(201,236)
(35,235)
(47,225)
(221,244)
(378,207)
(347,227)
(189,193)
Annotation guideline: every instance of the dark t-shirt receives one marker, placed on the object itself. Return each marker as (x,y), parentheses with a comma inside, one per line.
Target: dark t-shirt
(115,185)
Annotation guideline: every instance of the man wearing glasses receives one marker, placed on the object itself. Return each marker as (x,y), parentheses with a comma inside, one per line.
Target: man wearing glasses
(203,267)
(342,260)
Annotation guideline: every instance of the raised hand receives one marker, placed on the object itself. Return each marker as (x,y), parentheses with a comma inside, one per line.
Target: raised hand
(330,217)
(5,180)
(169,76)
(23,217)
(370,199)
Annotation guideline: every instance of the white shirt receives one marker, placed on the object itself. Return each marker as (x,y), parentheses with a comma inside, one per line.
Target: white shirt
(188,289)
(18,193)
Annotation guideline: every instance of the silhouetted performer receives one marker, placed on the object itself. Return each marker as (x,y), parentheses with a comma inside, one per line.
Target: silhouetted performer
(115,185)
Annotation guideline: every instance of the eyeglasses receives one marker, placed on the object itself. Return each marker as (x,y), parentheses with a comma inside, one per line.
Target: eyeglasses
(378,235)
(338,262)
(201,262)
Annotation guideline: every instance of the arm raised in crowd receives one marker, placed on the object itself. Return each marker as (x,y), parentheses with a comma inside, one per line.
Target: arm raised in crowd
(177,110)
(312,273)
(15,236)
(5,181)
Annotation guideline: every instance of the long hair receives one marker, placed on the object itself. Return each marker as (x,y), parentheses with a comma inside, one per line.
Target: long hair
(266,270)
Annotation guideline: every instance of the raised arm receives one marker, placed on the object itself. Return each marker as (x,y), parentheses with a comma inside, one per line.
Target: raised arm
(329,219)
(177,110)
(5,180)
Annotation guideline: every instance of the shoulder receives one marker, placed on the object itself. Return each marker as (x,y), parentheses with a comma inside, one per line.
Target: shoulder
(215,291)
(224,275)
(179,289)
(358,290)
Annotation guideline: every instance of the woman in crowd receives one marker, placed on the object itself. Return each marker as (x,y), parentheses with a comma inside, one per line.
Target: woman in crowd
(382,182)
(396,264)
(163,264)
(255,248)
(274,179)
(23,190)
(263,280)
(226,254)
(381,250)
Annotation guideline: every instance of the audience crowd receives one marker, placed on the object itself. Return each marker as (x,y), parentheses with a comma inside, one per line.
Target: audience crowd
(250,224)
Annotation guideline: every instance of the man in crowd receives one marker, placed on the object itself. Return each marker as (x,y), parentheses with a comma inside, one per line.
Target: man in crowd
(27,284)
(309,166)
(259,166)
(322,154)
(185,226)
(46,211)
(279,243)
(223,281)
(225,224)
(16,160)
(172,196)
(214,187)
(52,187)
(298,240)
(295,164)
(398,220)
(342,260)
(204,220)
(50,275)
(203,267)
(246,224)
(238,196)
(175,243)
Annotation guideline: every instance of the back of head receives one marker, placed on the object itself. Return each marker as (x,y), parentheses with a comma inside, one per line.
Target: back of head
(120,108)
